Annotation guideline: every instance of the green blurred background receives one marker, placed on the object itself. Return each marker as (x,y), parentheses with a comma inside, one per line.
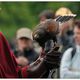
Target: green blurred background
(14,15)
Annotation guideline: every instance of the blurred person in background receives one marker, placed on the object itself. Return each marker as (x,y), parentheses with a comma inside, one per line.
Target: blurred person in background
(24,52)
(70,64)
(46,14)
(66,30)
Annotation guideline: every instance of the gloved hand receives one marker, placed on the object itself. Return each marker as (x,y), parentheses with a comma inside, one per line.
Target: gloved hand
(37,69)
(53,58)
(43,64)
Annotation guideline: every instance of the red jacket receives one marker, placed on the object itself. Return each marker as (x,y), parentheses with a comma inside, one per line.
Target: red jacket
(8,65)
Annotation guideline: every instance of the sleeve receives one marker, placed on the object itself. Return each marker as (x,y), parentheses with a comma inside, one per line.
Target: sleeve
(24,72)
(65,71)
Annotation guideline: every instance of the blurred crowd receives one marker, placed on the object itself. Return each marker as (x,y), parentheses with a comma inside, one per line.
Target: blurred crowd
(26,50)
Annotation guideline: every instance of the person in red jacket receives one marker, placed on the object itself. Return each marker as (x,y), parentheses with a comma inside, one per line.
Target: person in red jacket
(10,69)
(8,66)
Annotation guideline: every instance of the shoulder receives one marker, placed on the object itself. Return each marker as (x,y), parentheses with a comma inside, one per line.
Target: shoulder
(67,53)
(68,50)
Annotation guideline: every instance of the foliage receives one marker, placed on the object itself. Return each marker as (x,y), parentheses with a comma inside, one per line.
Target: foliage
(14,15)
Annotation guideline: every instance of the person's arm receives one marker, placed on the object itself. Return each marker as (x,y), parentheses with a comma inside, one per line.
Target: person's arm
(42,65)
(35,70)
(65,71)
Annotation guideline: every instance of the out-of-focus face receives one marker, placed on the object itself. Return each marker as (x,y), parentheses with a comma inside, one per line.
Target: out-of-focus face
(24,43)
(64,26)
(77,35)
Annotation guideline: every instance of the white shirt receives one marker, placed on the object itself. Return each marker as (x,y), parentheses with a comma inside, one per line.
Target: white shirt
(70,67)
